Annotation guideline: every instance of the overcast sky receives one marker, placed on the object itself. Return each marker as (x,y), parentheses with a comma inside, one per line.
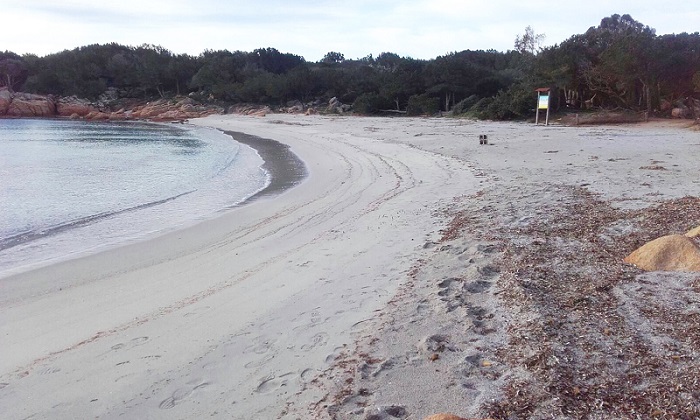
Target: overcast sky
(421,29)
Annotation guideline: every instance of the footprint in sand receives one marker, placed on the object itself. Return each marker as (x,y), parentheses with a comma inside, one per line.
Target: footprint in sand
(181,394)
(360,325)
(260,362)
(319,339)
(306,375)
(315,317)
(478,286)
(271,383)
(335,355)
(135,342)
(138,341)
(488,270)
(480,318)
(196,311)
(448,285)
(487,249)
(128,375)
(260,345)
(49,370)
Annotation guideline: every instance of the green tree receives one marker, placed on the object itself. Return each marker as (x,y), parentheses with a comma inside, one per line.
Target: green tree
(333,57)
(273,61)
(529,42)
(13,71)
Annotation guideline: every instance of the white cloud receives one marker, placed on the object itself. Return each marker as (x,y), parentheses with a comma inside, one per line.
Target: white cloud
(416,28)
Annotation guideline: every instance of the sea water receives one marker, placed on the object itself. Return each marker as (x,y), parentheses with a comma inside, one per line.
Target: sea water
(68,188)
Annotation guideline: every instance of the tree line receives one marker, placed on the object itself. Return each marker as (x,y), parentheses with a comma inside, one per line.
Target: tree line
(620,63)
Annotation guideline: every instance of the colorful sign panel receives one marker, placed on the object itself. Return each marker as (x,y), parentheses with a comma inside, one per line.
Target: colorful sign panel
(543,102)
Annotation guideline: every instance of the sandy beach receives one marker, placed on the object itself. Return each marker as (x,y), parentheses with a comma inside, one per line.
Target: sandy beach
(412,271)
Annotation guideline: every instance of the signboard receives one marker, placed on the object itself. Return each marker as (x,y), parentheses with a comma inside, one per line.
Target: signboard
(542,103)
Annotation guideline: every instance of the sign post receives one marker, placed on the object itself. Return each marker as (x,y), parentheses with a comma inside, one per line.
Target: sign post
(542,103)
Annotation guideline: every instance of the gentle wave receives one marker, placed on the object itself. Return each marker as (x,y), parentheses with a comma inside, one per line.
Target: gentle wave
(16,240)
(71,188)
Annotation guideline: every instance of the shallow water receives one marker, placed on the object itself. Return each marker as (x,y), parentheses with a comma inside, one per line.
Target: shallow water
(72,187)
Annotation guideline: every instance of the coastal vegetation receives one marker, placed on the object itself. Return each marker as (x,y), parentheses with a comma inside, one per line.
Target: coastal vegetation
(619,64)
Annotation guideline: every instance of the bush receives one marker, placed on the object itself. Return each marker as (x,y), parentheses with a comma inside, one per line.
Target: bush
(422,105)
(479,107)
(516,102)
(464,105)
(367,104)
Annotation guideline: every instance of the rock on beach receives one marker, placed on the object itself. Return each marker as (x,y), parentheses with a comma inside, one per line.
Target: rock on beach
(668,253)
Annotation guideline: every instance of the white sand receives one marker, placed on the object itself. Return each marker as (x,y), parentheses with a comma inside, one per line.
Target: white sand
(233,317)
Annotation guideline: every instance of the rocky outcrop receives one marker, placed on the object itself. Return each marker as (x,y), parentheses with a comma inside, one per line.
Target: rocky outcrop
(686,108)
(29,105)
(171,110)
(176,109)
(73,106)
(337,107)
(5,101)
(680,113)
(14,104)
(248,109)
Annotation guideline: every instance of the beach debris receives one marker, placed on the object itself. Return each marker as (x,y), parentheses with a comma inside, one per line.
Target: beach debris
(483,139)
(667,253)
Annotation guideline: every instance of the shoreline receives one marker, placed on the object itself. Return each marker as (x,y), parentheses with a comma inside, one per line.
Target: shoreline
(240,310)
(381,285)
(285,168)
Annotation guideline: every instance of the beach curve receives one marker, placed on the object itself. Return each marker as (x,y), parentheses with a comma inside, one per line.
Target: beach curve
(235,315)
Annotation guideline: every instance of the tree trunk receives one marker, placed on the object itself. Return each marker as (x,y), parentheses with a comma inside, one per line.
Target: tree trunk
(9,83)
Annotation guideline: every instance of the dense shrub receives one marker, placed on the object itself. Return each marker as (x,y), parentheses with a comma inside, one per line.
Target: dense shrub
(517,102)
(367,104)
(465,105)
(479,107)
(422,105)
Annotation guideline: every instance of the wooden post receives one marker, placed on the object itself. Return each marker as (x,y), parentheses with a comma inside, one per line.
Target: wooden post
(537,109)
